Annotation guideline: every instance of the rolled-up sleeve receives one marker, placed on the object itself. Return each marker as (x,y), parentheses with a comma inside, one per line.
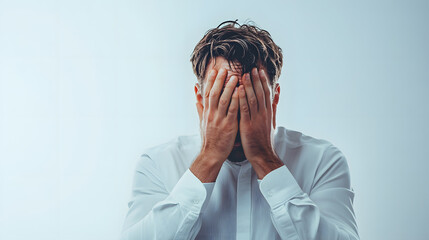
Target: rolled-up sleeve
(155,213)
(325,213)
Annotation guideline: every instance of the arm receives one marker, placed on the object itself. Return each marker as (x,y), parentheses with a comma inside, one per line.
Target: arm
(326,213)
(155,213)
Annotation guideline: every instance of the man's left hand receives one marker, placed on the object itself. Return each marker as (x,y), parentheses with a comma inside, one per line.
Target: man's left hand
(256,128)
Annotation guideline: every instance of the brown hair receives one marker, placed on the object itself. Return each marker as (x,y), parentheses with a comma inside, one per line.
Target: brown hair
(247,44)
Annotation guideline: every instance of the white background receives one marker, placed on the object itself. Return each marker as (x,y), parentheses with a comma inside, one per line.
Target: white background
(85,86)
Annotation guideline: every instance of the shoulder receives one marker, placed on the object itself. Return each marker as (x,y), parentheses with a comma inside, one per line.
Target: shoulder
(174,145)
(176,148)
(170,159)
(292,139)
(295,141)
(317,158)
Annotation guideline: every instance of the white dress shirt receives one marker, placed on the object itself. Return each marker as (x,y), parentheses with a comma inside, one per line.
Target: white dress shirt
(309,198)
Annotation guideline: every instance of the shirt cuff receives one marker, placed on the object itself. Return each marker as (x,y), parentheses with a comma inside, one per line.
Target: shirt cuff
(190,192)
(279,186)
(209,189)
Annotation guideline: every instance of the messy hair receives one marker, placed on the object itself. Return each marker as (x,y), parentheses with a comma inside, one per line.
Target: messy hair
(246,44)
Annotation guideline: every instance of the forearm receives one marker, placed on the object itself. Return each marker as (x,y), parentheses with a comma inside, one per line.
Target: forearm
(265,164)
(176,216)
(326,214)
(301,218)
(167,220)
(206,167)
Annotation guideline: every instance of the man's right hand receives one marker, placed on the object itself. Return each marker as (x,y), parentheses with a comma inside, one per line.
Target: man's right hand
(218,123)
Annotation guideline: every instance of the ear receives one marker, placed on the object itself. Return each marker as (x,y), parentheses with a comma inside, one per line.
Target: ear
(276,98)
(199,103)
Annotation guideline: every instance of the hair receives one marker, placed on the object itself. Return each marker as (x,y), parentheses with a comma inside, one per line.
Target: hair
(246,44)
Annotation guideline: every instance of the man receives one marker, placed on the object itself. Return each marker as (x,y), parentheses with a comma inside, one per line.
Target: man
(243,177)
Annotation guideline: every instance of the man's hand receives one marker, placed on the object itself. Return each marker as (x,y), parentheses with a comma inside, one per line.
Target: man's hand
(256,128)
(218,123)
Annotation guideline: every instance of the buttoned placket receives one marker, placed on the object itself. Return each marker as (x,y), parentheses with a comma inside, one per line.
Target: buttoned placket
(244,195)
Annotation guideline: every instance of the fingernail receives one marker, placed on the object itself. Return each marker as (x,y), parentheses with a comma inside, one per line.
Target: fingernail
(247,76)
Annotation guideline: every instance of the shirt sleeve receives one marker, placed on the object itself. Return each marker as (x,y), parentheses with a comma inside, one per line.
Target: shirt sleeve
(155,213)
(326,213)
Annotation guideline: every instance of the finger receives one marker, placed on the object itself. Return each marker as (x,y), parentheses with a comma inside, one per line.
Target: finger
(250,94)
(200,109)
(209,84)
(265,85)
(259,90)
(225,98)
(233,107)
(244,107)
(216,89)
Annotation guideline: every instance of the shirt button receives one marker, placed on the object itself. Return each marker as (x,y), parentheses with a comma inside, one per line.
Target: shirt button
(270,193)
(195,201)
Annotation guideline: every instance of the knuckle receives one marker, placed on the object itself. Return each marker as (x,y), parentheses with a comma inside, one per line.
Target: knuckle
(232,109)
(207,94)
(252,101)
(212,94)
(244,108)
(223,101)
(227,127)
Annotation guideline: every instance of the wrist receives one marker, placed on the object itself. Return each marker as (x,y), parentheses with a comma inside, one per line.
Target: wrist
(266,163)
(206,168)
(268,155)
(210,158)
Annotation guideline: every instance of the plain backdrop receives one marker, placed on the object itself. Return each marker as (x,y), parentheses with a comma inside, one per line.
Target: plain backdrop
(85,86)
